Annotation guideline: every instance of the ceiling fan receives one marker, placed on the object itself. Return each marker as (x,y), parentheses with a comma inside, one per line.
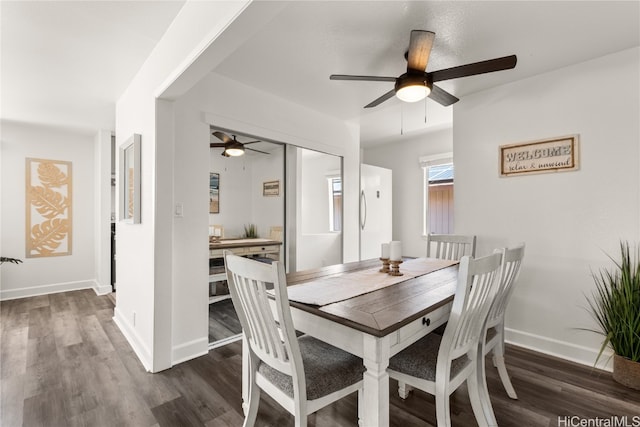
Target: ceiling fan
(417,83)
(232,147)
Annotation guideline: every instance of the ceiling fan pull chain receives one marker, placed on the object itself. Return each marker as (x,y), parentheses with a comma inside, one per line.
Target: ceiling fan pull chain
(425,111)
(401,119)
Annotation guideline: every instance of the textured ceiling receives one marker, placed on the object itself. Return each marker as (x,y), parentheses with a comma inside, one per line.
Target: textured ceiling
(293,55)
(66,63)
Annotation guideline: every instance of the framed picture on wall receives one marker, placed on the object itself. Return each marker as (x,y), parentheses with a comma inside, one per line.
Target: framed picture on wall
(130,180)
(271,188)
(214,193)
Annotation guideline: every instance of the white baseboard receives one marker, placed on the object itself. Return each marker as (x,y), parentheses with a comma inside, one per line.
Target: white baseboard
(102,289)
(190,350)
(134,340)
(53,288)
(564,350)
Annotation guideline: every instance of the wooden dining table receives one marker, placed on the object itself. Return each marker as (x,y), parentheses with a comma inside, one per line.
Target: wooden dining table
(372,315)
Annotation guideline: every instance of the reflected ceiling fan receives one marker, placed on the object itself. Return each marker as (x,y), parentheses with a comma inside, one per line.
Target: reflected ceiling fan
(232,147)
(417,83)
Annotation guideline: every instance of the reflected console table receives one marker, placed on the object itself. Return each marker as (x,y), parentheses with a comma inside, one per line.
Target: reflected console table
(240,247)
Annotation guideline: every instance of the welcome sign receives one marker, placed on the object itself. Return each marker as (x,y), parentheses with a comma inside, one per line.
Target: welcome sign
(547,155)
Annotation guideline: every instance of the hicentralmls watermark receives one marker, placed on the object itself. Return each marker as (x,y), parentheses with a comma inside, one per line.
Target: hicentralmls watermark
(613,421)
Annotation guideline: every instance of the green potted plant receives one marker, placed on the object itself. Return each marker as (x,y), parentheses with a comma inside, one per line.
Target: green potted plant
(250,231)
(11,260)
(615,305)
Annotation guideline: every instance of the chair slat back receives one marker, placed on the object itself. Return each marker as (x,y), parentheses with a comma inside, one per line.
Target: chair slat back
(271,338)
(475,292)
(450,246)
(509,273)
(276,233)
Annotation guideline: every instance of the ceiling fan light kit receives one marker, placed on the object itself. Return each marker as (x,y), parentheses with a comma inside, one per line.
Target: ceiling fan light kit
(417,83)
(413,87)
(232,147)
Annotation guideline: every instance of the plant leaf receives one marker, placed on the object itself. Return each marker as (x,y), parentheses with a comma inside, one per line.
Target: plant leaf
(46,237)
(48,203)
(50,175)
(615,304)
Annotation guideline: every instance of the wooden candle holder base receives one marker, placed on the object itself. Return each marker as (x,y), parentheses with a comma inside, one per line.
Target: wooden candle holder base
(385,265)
(395,268)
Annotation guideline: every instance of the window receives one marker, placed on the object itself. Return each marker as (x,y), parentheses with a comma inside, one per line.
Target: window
(438,177)
(335,204)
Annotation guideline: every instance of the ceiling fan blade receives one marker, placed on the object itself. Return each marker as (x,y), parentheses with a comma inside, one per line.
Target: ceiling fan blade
(491,65)
(257,151)
(222,136)
(216,145)
(419,50)
(442,96)
(362,78)
(250,142)
(380,100)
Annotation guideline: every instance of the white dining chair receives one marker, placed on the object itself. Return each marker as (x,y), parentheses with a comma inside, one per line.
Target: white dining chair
(450,246)
(438,364)
(494,342)
(301,374)
(276,232)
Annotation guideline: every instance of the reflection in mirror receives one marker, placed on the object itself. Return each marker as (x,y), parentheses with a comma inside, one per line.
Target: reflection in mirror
(246,215)
(301,208)
(130,180)
(314,212)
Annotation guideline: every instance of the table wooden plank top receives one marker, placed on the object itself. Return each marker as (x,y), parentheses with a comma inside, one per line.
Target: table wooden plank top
(385,310)
(242,243)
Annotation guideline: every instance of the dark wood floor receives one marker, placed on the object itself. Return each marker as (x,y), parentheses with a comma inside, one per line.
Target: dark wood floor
(65,363)
(223,321)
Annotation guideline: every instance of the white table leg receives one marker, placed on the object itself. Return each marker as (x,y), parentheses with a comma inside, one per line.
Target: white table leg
(376,382)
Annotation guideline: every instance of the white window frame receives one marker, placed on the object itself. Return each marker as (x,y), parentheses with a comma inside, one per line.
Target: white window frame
(425,163)
(330,179)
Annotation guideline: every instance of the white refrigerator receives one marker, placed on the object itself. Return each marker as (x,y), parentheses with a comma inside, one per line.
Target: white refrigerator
(375,210)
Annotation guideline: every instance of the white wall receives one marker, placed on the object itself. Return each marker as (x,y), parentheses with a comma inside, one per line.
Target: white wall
(236,200)
(241,198)
(45,275)
(267,211)
(145,273)
(227,104)
(316,245)
(103,200)
(316,169)
(568,220)
(199,38)
(402,158)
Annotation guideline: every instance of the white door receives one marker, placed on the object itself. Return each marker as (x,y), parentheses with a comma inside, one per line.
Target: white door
(375,209)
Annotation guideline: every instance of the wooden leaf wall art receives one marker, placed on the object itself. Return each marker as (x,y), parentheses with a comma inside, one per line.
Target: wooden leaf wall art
(48,208)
